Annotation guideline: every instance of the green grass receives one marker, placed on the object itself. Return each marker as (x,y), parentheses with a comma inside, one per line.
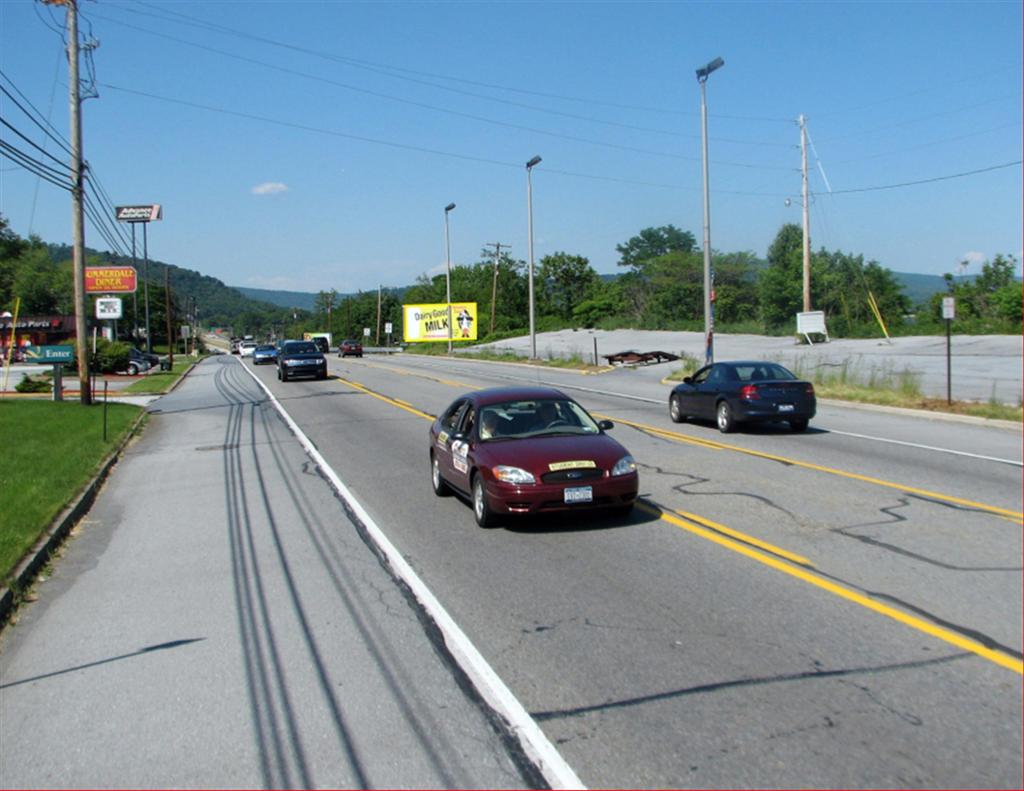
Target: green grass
(51,450)
(161,381)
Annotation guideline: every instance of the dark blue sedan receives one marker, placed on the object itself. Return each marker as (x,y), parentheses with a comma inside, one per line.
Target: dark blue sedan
(744,392)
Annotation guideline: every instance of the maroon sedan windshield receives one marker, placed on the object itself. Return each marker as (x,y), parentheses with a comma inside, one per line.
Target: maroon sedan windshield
(521,419)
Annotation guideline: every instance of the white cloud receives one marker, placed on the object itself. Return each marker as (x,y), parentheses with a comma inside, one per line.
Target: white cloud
(974,257)
(269,188)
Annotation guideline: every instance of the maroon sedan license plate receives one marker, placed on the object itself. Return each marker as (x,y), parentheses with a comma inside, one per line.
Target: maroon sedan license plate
(579,494)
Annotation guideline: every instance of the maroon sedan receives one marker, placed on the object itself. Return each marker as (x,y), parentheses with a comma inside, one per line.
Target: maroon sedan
(529,450)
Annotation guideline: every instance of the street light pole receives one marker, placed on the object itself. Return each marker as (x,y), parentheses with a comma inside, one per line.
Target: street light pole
(709,316)
(448,274)
(529,214)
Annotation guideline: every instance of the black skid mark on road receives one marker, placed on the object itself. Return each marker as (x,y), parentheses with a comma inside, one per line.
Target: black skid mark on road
(953,506)
(679,694)
(971,634)
(895,518)
(696,480)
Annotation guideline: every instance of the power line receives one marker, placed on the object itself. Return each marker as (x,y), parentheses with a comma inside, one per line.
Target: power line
(46,126)
(397,72)
(33,165)
(470,116)
(36,146)
(928,181)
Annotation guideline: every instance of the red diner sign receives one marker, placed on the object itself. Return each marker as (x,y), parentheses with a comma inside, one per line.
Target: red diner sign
(110,280)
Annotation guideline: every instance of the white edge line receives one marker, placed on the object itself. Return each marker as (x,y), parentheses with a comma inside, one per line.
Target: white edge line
(927,447)
(492,689)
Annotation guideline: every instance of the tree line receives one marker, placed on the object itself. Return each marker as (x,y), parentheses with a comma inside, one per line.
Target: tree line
(661,286)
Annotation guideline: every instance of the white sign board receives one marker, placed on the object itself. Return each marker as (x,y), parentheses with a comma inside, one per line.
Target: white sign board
(949,307)
(108,308)
(812,322)
(366,332)
(387,327)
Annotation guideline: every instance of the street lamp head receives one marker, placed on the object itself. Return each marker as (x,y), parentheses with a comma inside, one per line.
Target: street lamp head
(449,207)
(702,73)
(532,162)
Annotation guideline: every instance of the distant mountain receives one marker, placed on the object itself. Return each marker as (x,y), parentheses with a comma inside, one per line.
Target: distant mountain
(296,299)
(283,299)
(919,288)
(217,303)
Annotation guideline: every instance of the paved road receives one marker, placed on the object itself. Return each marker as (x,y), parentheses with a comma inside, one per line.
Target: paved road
(235,630)
(663,652)
(219,621)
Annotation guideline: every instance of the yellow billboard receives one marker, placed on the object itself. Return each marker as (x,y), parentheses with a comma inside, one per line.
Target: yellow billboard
(429,323)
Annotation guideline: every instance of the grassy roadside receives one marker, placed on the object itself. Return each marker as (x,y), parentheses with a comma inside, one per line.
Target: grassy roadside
(51,452)
(161,381)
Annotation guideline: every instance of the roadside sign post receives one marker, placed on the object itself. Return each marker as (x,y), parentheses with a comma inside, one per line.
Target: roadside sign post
(949,313)
(56,356)
(144,214)
(387,331)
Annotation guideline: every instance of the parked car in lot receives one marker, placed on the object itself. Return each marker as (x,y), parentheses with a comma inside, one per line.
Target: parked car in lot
(267,353)
(348,346)
(300,358)
(745,391)
(529,450)
(140,361)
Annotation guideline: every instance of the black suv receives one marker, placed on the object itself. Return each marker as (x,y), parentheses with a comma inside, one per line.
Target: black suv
(300,358)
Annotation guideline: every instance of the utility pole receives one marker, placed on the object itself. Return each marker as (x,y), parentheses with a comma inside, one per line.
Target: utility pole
(494,285)
(171,340)
(807,216)
(377,342)
(77,201)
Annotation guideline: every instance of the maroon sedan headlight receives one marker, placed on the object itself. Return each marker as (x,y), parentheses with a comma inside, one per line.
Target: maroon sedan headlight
(513,475)
(624,466)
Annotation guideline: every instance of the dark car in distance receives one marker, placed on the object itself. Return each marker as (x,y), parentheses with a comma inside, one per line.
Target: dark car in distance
(529,451)
(300,358)
(265,353)
(744,391)
(348,346)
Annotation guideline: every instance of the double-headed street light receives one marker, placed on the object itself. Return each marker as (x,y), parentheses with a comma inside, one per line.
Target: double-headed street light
(529,214)
(448,274)
(709,316)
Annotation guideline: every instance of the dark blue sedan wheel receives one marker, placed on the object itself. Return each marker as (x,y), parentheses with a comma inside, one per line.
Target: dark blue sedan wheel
(724,417)
(675,409)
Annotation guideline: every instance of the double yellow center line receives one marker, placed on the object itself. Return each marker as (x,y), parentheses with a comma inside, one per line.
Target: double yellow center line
(774,557)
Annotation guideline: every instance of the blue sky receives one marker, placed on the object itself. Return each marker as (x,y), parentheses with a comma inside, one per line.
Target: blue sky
(314,145)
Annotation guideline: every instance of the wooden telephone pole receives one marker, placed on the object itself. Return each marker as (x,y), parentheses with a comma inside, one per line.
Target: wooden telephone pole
(494,285)
(77,203)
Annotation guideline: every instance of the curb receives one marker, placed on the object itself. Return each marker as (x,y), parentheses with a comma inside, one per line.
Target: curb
(37,557)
